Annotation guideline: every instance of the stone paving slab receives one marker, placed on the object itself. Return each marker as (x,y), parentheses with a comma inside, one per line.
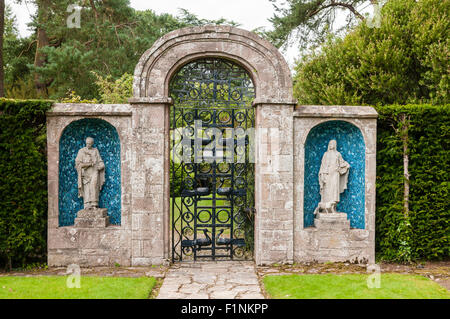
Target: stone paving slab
(211,280)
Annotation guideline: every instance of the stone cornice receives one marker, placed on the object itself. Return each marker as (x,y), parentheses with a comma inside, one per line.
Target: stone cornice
(150,100)
(89,110)
(273,102)
(335,111)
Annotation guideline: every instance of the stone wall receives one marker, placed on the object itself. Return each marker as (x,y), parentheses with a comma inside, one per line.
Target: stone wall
(334,243)
(85,245)
(143,236)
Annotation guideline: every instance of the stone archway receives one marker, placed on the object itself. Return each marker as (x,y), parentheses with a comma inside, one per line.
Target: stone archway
(267,67)
(274,130)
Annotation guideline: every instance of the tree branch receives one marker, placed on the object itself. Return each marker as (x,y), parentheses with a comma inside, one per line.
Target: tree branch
(338,4)
(28,49)
(91,2)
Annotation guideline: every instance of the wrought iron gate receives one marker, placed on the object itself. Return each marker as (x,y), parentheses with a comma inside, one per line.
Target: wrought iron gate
(212,182)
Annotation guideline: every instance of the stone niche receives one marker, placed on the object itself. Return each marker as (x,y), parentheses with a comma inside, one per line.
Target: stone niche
(349,234)
(107,141)
(80,236)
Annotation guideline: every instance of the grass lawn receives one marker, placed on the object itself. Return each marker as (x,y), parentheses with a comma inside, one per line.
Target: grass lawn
(352,286)
(54,287)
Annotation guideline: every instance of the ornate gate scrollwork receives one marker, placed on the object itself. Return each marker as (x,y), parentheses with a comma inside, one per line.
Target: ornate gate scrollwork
(212,181)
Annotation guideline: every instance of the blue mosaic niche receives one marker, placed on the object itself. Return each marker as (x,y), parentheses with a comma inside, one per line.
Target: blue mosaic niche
(107,141)
(350,143)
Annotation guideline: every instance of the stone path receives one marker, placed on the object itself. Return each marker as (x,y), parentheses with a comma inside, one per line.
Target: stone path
(211,280)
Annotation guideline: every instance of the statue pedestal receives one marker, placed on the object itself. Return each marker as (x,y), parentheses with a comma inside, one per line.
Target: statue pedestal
(92,218)
(332,239)
(332,221)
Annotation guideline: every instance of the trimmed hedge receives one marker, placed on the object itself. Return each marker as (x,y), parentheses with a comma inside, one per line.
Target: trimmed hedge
(422,234)
(23,181)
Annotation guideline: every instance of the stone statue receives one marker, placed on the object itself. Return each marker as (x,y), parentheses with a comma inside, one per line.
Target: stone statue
(91,174)
(333,177)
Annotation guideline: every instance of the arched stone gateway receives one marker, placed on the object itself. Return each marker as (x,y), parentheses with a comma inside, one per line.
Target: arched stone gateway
(143,236)
(274,105)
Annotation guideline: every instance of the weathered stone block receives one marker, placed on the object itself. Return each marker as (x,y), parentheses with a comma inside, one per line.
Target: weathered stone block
(93,213)
(334,240)
(334,221)
(91,222)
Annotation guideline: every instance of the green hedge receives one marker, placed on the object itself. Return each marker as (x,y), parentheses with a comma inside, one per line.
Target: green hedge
(423,231)
(422,234)
(23,181)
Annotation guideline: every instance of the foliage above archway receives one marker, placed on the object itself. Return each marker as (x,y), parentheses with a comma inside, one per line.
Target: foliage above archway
(404,60)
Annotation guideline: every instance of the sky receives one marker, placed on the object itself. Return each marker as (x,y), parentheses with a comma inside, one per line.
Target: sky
(250,14)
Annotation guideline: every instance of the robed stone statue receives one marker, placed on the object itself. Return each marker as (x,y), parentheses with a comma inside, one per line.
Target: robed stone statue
(91,174)
(333,177)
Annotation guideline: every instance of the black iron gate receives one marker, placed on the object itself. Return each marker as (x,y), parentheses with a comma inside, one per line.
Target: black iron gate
(212,171)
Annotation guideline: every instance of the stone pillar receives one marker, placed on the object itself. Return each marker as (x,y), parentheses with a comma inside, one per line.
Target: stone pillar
(274,182)
(150,180)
